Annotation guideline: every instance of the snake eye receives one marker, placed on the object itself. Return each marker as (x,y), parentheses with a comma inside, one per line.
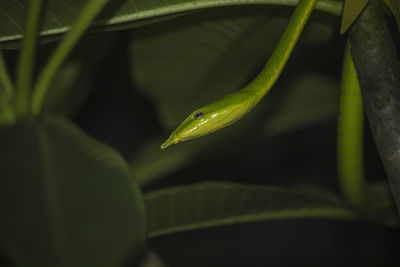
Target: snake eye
(198,115)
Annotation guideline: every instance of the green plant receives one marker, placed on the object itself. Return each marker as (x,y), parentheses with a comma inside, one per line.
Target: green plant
(68,199)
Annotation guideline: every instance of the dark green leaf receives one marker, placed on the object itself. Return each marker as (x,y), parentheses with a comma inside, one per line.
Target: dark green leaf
(351,10)
(151,162)
(60,14)
(212,204)
(309,99)
(65,199)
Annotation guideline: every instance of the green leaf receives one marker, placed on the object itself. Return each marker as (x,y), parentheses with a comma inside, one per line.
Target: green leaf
(151,162)
(310,98)
(60,14)
(65,199)
(212,204)
(351,10)
(6,86)
(7,115)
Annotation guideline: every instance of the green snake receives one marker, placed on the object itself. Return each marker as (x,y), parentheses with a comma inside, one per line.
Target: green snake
(232,107)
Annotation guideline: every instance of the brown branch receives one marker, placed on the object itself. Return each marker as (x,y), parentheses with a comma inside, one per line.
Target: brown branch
(378,69)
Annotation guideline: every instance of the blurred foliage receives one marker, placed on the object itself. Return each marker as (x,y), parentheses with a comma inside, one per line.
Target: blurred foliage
(394,6)
(65,198)
(72,82)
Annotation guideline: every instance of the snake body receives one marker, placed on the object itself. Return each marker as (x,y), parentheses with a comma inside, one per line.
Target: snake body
(232,107)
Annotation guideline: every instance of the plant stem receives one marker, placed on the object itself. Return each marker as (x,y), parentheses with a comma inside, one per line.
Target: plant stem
(27,58)
(7,115)
(350,136)
(5,81)
(378,68)
(89,12)
(6,91)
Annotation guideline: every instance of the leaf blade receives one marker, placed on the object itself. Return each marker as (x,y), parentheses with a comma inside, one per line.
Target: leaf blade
(60,15)
(66,199)
(211,204)
(351,10)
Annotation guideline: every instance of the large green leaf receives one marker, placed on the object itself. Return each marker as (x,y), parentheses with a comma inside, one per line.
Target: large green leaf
(60,14)
(65,199)
(212,204)
(309,99)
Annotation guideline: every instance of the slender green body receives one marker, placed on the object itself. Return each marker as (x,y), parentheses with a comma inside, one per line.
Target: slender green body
(232,107)
(350,135)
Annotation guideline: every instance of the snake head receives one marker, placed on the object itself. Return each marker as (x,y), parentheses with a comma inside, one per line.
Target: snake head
(190,128)
(210,118)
